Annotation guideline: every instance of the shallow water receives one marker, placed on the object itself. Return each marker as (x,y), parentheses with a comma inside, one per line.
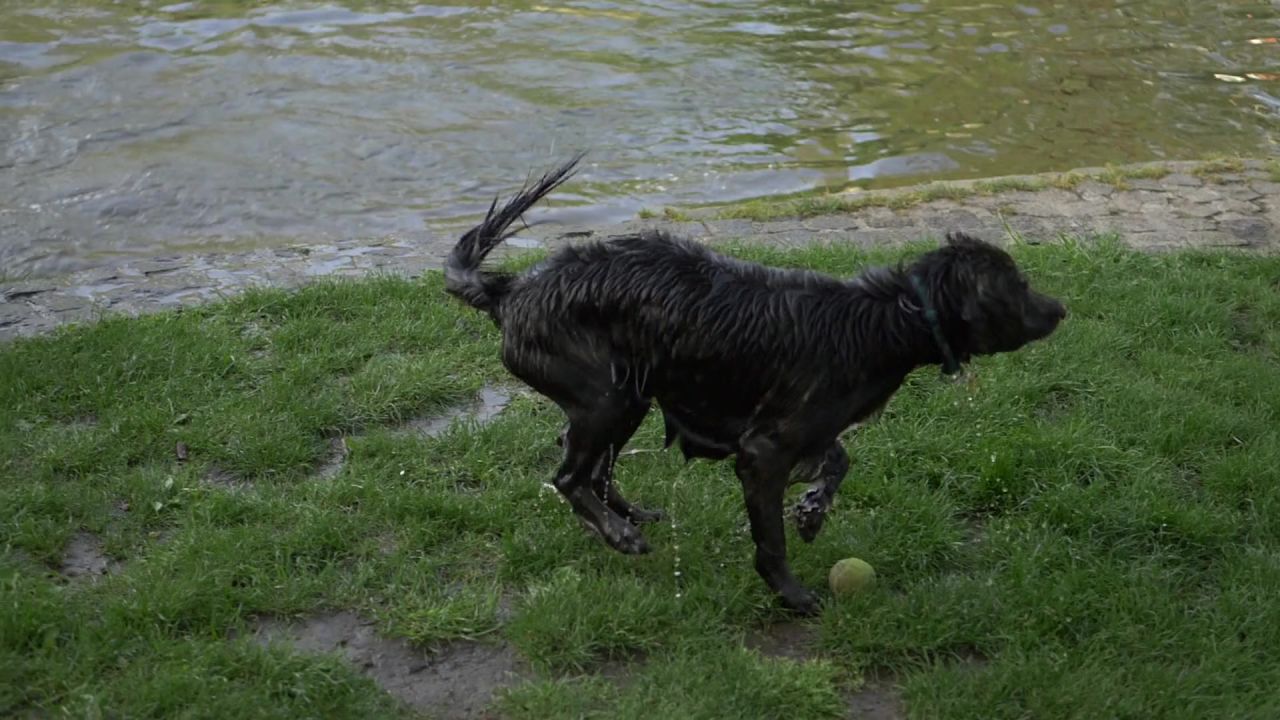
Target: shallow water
(136,128)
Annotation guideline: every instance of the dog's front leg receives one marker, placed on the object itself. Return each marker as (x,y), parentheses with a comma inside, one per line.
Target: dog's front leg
(763,470)
(812,508)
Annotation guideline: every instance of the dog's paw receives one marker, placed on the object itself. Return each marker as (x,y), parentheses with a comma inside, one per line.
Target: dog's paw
(809,523)
(810,512)
(620,535)
(625,538)
(632,544)
(640,516)
(801,601)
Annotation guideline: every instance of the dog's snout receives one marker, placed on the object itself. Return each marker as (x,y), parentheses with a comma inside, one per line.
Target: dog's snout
(1047,313)
(1049,307)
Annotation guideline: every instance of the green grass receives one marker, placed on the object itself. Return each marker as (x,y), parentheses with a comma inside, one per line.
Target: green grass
(1097,518)
(1273,170)
(1219,165)
(811,204)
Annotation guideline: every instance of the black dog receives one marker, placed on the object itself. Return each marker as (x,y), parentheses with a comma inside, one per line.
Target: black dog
(765,364)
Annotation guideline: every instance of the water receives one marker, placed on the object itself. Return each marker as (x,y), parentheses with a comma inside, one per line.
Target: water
(481,411)
(134,128)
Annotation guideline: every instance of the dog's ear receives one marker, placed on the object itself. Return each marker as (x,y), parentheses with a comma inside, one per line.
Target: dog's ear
(972,286)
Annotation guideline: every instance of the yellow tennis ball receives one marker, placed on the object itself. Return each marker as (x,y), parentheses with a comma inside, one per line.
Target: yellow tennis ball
(851,575)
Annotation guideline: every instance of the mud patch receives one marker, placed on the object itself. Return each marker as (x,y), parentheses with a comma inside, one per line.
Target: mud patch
(456,681)
(969,657)
(876,700)
(81,423)
(334,460)
(621,672)
(1060,399)
(480,411)
(1247,334)
(791,640)
(83,559)
(163,536)
(217,477)
(388,545)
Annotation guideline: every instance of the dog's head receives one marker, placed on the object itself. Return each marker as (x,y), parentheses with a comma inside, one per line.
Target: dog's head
(984,302)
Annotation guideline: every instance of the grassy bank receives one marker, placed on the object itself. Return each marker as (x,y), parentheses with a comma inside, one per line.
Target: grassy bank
(1091,529)
(825,202)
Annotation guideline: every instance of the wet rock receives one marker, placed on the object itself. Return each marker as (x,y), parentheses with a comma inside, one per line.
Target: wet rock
(26,289)
(14,313)
(1092,190)
(1252,231)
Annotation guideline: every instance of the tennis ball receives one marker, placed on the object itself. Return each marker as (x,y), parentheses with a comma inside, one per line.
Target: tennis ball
(851,575)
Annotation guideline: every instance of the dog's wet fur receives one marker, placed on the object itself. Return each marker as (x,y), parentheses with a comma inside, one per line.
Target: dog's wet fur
(764,364)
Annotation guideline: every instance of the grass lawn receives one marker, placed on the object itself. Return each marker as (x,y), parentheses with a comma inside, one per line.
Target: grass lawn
(1090,530)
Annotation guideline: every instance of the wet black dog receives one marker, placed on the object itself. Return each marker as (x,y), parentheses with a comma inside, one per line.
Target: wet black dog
(765,364)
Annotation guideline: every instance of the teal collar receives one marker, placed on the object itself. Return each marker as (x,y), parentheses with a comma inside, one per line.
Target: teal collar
(950,365)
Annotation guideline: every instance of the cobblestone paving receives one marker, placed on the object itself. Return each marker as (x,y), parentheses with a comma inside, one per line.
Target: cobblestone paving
(1190,206)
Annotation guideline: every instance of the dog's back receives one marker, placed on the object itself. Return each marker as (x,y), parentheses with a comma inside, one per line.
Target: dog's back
(657,297)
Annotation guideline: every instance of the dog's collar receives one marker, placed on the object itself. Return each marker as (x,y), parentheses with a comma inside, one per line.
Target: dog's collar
(950,365)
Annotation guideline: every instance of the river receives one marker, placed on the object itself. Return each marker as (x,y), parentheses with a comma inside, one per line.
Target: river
(135,128)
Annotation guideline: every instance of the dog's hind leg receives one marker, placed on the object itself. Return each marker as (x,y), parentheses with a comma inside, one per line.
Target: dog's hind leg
(602,481)
(619,504)
(590,446)
(764,469)
(829,472)
(578,378)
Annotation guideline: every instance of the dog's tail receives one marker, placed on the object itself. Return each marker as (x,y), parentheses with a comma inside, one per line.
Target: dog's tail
(463,277)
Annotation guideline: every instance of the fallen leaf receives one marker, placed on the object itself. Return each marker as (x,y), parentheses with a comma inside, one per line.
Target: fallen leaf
(1263,41)
(1228,78)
